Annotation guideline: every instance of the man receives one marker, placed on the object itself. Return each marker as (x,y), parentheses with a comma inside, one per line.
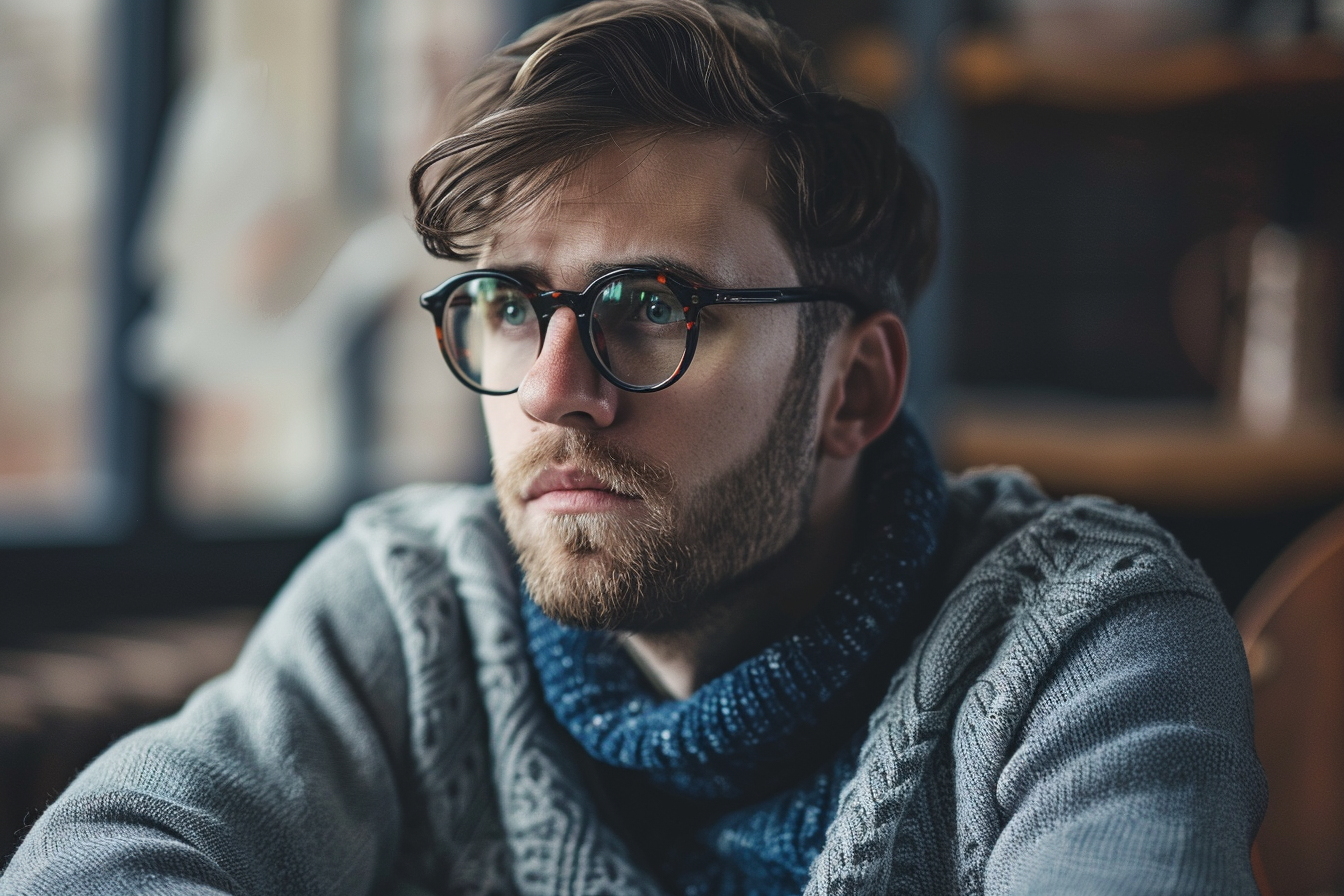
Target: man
(720,627)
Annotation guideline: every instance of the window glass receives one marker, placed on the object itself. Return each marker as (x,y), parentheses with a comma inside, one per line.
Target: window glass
(297,370)
(50,155)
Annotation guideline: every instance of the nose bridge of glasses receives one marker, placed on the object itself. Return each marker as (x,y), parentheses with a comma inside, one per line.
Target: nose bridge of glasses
(564,351)
(549,315)
(547,303)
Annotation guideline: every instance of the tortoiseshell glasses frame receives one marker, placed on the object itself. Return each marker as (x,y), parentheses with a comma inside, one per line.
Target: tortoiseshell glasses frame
(638,326)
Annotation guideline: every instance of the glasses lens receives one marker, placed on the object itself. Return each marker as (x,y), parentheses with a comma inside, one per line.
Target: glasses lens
(490,333)
(639,330)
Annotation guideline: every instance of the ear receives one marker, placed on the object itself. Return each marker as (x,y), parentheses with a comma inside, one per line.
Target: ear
(873,357)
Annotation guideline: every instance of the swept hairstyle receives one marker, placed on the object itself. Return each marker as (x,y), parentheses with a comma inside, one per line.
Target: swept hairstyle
(853,207)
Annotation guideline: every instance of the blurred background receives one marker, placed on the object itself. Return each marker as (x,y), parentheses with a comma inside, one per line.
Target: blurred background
(210,346)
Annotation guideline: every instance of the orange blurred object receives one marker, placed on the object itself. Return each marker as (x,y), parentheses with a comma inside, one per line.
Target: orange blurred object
(1292,623)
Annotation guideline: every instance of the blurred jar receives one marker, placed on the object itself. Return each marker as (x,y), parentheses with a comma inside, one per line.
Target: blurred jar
(1072,27)
(1256,309)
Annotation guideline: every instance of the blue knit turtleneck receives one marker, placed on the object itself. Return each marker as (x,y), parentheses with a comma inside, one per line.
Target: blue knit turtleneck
(731,790)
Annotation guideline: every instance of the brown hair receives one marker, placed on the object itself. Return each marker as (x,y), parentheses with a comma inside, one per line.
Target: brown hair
(855,209)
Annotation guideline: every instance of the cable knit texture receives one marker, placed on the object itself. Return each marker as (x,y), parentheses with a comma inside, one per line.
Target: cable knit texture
(1075,720)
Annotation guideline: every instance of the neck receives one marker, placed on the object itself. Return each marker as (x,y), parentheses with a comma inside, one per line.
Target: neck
(757,609)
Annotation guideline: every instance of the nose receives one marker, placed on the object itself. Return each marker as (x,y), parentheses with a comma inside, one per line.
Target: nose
(563,387)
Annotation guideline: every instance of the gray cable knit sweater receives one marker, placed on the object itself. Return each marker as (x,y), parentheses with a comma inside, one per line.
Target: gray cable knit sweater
(1076,720)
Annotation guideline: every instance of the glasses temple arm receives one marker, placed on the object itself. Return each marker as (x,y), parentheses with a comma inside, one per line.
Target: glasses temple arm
(781,297)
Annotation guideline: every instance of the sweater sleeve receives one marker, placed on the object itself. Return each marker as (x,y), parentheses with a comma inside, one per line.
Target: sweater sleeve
(279,777)
(1135,771)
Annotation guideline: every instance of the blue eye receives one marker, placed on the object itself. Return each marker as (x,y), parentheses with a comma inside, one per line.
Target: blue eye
(514,314)
(658,312)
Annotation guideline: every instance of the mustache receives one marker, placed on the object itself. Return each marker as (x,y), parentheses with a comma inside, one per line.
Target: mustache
(619,469)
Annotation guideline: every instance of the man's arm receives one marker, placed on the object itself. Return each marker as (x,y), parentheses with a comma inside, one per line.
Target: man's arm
(280,777)
(1135,771)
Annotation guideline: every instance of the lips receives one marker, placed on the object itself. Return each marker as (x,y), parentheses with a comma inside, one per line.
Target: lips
(568,490)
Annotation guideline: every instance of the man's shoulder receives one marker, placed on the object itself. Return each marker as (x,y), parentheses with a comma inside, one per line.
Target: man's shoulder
(1081,683)
(1000,524)
(432,510)
(1027,576)
(413,524)
(404,550)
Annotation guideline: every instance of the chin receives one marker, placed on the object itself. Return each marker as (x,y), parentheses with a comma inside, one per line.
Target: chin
(590,586)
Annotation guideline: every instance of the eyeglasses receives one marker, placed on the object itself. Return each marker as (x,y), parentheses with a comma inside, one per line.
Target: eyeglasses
(638,326)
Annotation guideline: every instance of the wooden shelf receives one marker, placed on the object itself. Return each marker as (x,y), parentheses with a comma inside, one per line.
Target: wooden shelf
(992,69)
(1186,457)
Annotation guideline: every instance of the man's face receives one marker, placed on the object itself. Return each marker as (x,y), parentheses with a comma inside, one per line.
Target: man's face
(629,511)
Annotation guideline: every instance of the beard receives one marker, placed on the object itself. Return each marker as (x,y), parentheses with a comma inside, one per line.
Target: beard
(664,567)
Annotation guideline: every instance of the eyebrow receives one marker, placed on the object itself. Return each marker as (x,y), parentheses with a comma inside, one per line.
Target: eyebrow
(671,265)
(535,275)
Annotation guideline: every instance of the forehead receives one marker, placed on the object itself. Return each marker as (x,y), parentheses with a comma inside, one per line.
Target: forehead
(699,202)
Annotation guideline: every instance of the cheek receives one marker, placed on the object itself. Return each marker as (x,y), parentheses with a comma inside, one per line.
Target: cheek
(736,380)
(747,352)
(506,426)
